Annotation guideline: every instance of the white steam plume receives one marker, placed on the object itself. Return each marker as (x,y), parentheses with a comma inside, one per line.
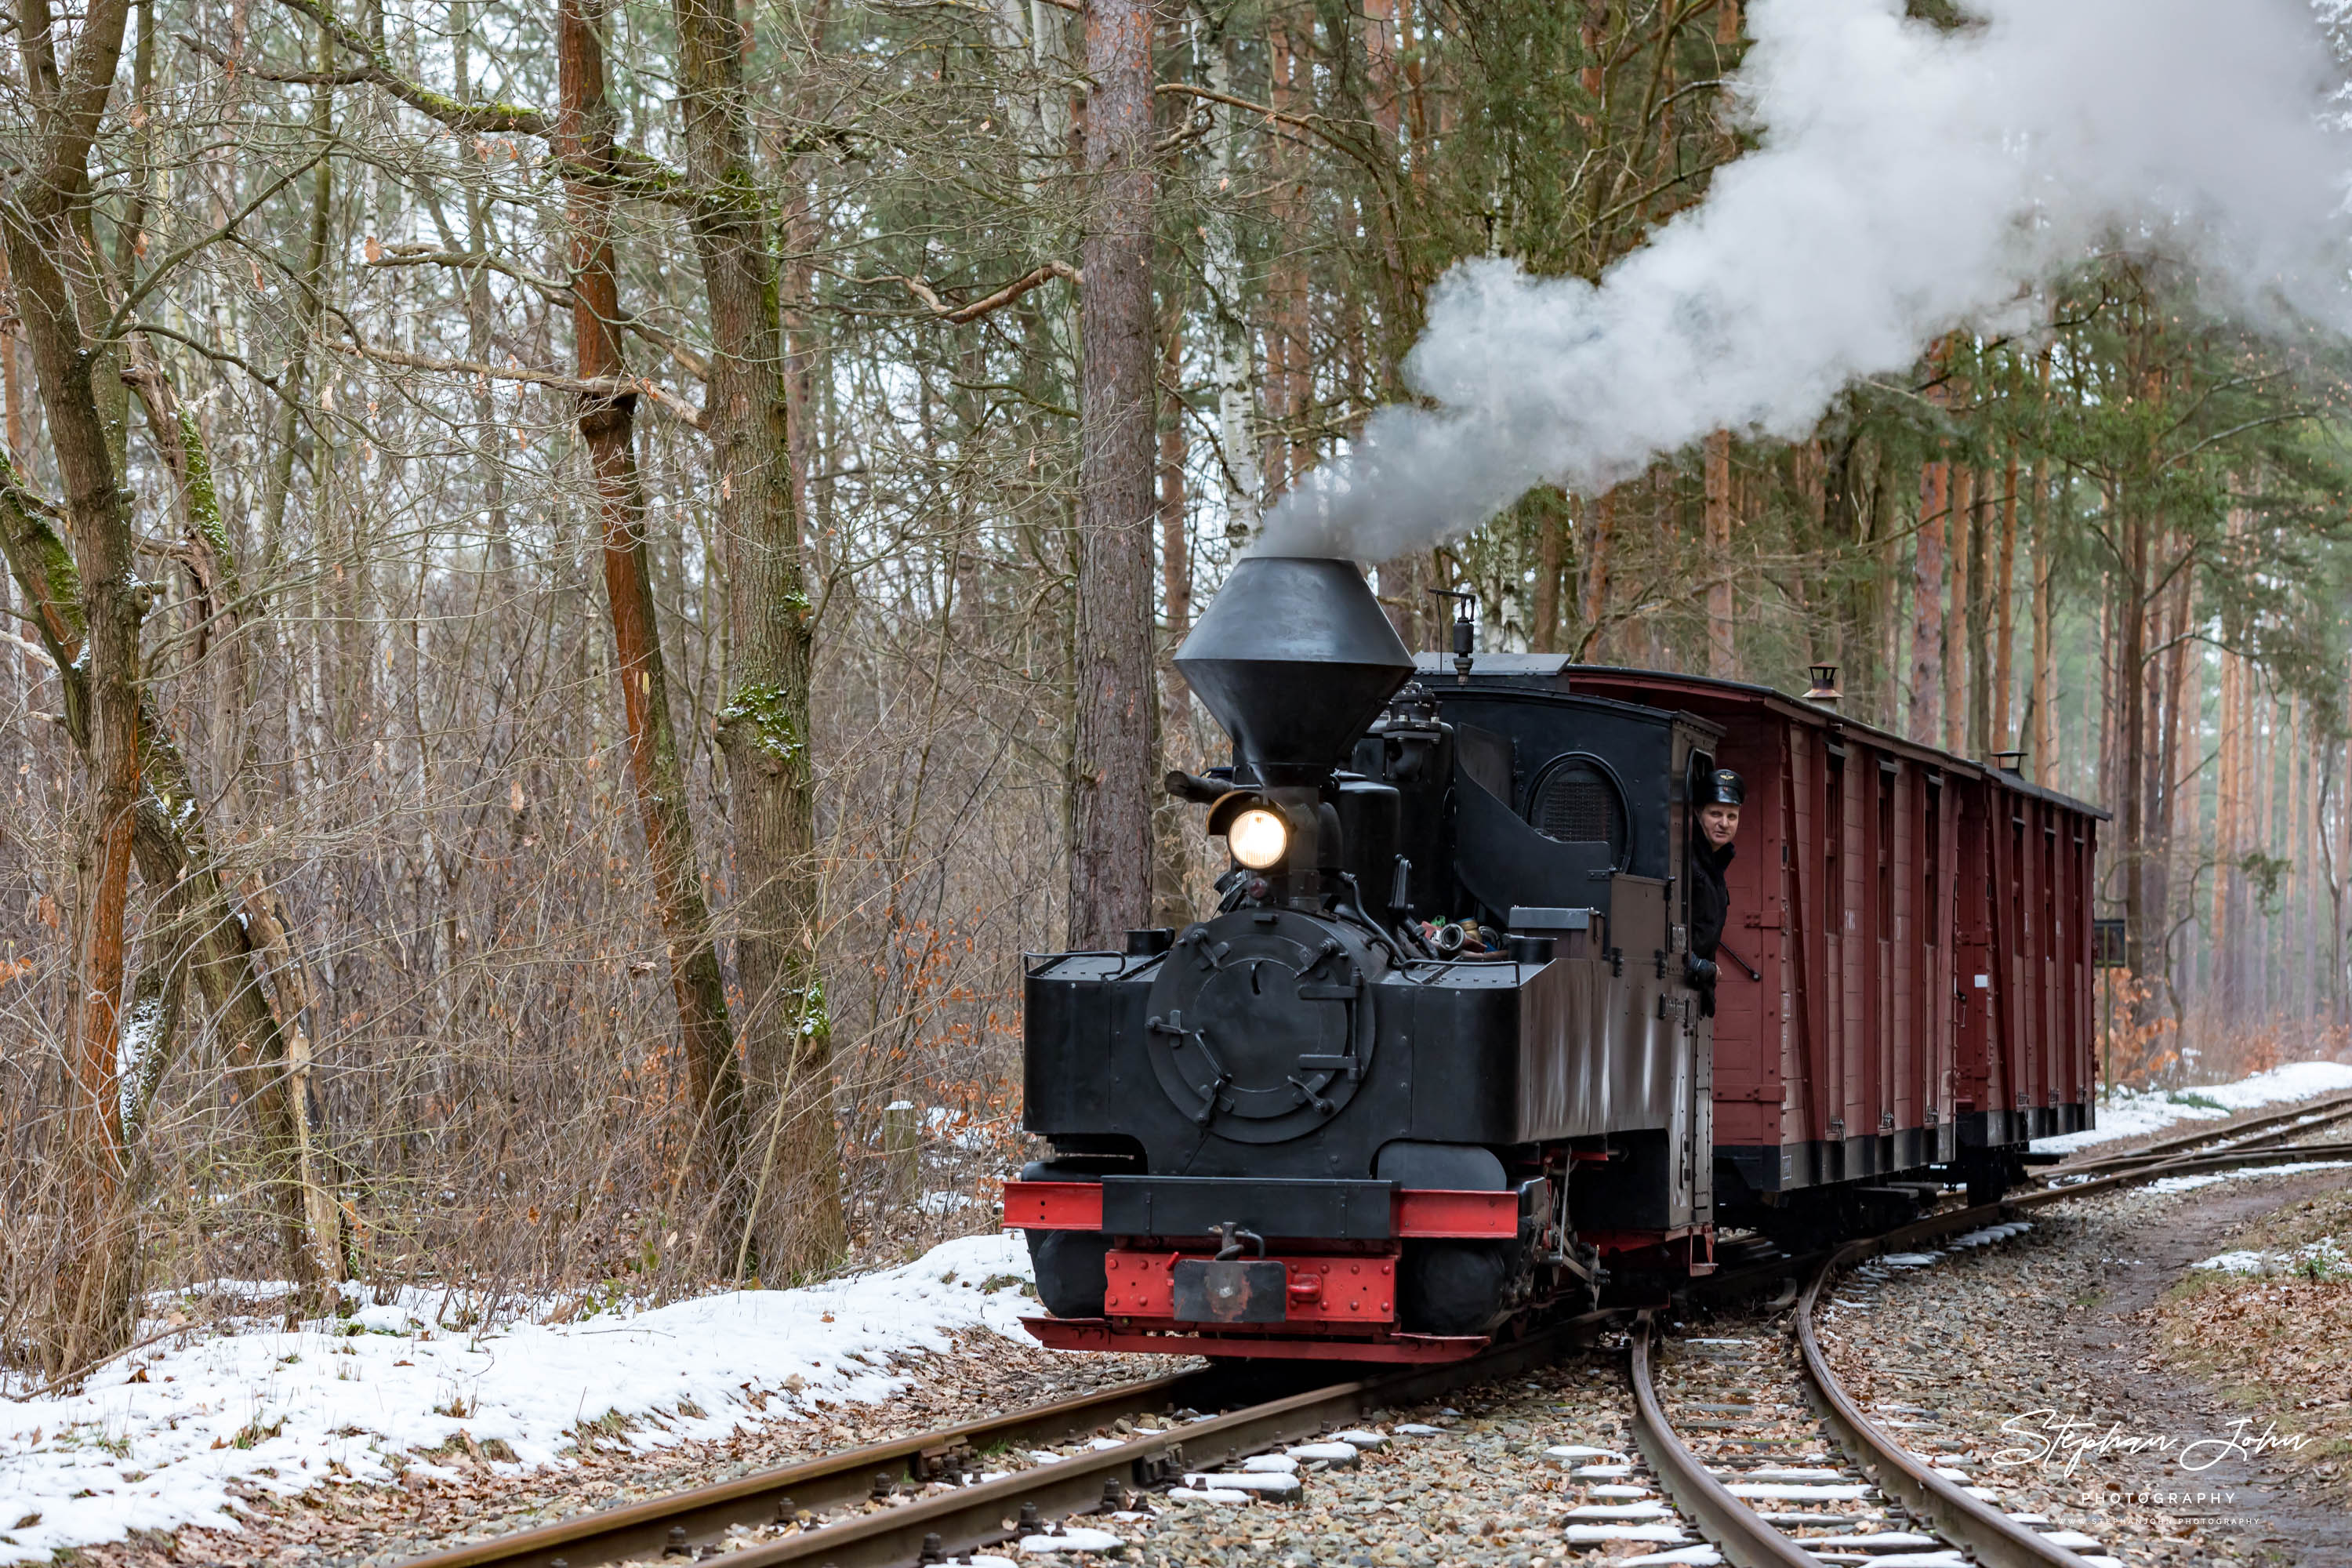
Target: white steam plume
(1908,181)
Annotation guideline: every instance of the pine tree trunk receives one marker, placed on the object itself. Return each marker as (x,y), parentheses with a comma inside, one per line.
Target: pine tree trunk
(2130,677)
(1592,604)
(2181,803)
(2171,670)
(1981,546)
(2099,703)
(1551,509)
(2265,837)
(1171,899)
(1959,534)
(1927,651)
(2339,976)
(2290,930)
(2225,837)
(2004,670)
(1115,742)
(2045,651)
(2307,859)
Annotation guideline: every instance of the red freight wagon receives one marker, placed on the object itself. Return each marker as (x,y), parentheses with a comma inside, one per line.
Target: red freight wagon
(1907,980)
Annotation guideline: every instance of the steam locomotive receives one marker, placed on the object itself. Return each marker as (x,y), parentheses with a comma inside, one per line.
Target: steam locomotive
(1436,1062)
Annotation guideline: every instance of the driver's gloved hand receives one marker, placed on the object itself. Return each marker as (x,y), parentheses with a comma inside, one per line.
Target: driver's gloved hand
(1699,971)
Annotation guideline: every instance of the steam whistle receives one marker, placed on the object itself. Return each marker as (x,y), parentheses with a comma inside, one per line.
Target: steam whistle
(1465,631)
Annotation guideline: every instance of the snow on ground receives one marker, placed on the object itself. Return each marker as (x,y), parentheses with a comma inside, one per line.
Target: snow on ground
(2134,1111)
(2323,1258)
(2190,1184)
(155,1441)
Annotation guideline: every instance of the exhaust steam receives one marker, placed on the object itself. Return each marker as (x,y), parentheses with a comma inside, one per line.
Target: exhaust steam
(1908,182)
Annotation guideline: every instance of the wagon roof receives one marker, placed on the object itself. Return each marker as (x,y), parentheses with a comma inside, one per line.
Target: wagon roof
(1559,666)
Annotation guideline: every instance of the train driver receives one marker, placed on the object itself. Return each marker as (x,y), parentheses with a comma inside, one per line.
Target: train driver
(1711,850)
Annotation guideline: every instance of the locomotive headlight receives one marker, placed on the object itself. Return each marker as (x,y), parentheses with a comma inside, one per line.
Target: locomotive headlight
(1258,837)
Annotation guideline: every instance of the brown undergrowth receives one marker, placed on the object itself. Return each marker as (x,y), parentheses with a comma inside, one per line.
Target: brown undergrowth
(2278,1342)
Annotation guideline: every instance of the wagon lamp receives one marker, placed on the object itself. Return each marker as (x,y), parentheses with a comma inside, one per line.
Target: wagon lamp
(1825,687)
(1258,838)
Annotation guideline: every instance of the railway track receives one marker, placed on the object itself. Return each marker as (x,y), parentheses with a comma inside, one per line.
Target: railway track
(2254,1132)
(924,1497)
(1860,1468)
(1777,1463)
(940,1494)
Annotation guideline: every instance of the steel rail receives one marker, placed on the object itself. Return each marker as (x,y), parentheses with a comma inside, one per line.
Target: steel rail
(968,1517)
(1735,1529)
(1984,1532)
(2184,1165)
(704,1513)
(2262,1130)
(1731,1525)
(959,1520)
(1990,1536)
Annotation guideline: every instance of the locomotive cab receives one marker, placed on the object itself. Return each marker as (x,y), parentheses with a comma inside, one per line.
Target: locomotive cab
(1431,1061)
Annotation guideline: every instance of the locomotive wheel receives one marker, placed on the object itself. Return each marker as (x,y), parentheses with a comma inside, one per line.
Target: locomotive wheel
(1071,1280)
(1453,1287)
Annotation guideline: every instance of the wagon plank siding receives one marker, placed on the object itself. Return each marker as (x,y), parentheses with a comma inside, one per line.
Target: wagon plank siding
(1877,880)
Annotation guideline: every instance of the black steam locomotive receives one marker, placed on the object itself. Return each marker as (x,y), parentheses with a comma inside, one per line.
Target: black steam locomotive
(1434,1061)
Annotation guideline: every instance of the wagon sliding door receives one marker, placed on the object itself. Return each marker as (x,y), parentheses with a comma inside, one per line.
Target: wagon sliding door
(1974,803)
(1758,1086)
(1982,1077)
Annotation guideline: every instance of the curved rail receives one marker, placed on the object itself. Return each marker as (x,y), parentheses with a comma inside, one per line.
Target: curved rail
(1735,1529)
(1989,1535)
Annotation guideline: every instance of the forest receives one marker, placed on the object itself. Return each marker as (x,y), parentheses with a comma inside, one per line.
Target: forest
(584,578)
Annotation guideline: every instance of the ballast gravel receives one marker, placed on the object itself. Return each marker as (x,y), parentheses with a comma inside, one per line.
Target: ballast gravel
(1485,1481)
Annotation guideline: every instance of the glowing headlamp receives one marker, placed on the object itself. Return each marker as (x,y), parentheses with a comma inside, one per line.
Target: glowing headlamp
(1258,837)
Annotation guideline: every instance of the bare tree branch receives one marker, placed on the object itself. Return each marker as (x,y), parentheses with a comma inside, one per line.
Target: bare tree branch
(616,386)
(956,315)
